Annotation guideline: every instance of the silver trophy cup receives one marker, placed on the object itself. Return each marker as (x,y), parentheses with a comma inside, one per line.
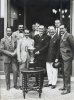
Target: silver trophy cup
(31,53)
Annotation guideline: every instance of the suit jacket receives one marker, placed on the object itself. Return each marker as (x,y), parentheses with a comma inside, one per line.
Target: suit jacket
(16,35)
(67,46)
(58,31)
(22,48)
(53,49)
(41,45)
(8,45)
(32,34)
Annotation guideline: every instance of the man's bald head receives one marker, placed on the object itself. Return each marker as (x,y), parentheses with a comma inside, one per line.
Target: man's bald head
(57,23)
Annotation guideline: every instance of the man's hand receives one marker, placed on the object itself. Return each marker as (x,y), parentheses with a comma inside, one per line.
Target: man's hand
(19,60)
(37,52)
(13,54)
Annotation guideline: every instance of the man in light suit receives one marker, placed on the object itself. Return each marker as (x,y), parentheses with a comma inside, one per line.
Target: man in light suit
(66,49)
(18,34)
(22,53)
(8,45)
(52,57)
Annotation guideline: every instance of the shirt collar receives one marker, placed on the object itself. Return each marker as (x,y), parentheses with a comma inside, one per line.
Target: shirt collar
(63,35)
(53,36)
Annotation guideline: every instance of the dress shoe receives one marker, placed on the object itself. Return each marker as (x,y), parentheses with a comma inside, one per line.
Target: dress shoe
(47,85)
(21,88)
(35,85)
(8,87)
(53,86)
(65,92)
(62,89)
(16,87)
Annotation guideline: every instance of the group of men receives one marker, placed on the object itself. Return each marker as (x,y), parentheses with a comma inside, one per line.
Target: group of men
(51,45)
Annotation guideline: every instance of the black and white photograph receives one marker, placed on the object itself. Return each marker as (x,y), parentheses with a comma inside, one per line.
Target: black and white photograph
(36,49)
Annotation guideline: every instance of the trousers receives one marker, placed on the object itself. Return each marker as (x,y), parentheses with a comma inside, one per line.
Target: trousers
(7,67)
(67,73)
(41,64)
(52,73)
(21,66)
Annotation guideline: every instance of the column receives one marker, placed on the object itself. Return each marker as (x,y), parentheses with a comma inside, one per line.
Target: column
(72,26)
(24,17)
(5,16)
(8,13)
(0,8)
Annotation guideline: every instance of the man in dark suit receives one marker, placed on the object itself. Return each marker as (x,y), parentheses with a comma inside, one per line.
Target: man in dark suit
(57,26)
(41,47)
(34,30)
(66,48)
(52,57)
(8,46)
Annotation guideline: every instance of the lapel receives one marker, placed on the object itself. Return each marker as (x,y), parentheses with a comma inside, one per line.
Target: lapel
(42,37)
(64,38)
(53,40)
(9,44)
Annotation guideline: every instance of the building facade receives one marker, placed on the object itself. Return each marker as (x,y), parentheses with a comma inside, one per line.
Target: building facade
(15,14)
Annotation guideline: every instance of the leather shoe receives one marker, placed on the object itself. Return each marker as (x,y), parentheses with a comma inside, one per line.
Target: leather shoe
(21,88)
(62,89)
(47,85)
(35,85)
(65,92)
(8,87)
(53,86)
(16,87)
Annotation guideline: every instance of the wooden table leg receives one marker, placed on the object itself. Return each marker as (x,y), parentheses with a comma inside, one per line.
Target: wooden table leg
(42,78)
(40,85)
(23,82)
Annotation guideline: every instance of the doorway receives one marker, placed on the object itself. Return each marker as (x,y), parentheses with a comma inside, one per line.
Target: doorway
(41,14)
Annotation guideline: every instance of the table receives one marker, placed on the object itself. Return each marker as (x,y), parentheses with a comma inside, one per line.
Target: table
(25,73)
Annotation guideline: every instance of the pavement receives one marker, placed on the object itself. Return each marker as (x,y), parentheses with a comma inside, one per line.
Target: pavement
(47,92)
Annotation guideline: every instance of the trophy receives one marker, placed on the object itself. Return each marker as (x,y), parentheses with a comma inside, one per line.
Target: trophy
(31,61)
(31,52)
